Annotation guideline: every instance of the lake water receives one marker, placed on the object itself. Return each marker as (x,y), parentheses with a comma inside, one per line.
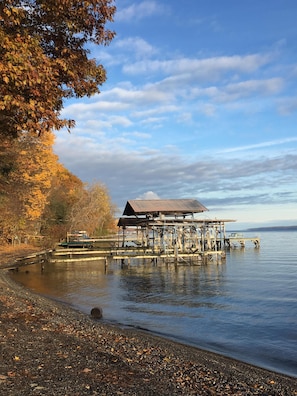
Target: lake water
(244,308)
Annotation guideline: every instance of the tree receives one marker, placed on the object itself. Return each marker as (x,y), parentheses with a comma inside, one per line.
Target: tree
(44,59)
(35,166)
(93,212)
(7,162)
(65,192)
(28,167)
(9,208)
(40,197)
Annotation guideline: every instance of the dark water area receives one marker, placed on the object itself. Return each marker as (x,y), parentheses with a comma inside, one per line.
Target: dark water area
(244,308)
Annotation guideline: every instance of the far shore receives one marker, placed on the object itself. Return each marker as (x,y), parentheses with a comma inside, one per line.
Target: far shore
(50,349)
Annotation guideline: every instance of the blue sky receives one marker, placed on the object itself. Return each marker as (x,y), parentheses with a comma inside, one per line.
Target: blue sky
(200,102)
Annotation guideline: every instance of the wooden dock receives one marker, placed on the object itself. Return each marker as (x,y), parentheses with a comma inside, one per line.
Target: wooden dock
(36,258)
(126,254)
(123,255)
(207,249)
(235,240)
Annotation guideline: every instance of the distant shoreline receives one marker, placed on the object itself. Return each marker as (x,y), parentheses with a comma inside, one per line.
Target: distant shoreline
(273,228)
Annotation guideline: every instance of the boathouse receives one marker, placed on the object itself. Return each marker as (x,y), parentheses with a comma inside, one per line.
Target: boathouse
(171,230)
(171,227)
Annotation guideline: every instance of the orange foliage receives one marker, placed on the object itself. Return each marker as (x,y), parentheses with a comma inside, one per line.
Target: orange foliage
(35,166)
(93,211)
(43,60)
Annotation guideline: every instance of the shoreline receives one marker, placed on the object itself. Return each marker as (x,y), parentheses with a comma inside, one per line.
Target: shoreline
(49,348)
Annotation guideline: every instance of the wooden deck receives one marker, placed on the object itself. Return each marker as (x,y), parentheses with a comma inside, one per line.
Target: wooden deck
(129,253)
(110,250)
(241,241)
(123,255)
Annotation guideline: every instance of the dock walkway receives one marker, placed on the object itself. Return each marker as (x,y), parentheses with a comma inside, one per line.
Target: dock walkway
(124,255)
(130,253)
(236,239)
(111,251)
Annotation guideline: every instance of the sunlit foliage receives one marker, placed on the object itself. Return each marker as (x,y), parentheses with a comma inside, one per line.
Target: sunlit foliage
(39,197)
(93,211)
(44,59)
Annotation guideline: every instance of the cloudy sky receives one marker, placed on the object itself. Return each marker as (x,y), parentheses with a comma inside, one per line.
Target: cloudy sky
(200,102)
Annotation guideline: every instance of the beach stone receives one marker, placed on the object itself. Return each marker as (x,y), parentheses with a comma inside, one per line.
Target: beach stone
(96,313)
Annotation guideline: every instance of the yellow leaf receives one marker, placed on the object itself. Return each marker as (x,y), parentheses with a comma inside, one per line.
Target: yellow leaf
(86,370)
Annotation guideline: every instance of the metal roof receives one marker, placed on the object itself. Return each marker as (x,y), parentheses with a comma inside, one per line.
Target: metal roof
(155,207)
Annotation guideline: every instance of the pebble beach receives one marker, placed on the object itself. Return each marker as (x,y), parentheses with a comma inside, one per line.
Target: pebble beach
(48,348)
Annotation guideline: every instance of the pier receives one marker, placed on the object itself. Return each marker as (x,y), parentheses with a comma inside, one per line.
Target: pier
(127,254)
(167,230)
(236,239)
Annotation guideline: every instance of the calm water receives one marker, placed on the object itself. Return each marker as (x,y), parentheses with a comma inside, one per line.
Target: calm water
(245,308)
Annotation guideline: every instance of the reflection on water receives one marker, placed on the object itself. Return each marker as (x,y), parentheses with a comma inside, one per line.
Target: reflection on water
(244,308)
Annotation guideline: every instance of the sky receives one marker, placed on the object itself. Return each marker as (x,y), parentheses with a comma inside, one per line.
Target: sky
(200,102)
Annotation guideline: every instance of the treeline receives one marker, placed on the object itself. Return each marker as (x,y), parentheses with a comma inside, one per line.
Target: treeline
(41,200)
(45,60)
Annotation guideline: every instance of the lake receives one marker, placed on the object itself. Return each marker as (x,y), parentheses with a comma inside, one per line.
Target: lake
(244,308)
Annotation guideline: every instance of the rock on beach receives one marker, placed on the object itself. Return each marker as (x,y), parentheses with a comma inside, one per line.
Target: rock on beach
(96,313)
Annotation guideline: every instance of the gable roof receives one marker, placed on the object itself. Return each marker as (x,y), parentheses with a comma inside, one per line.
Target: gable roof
(155,207)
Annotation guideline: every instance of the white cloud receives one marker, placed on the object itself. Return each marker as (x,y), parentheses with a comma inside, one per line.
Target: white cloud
(149,195)
(210,68)
(83,110)
(287,106)
(139,10)
(267,87)
(185,117)
(122,95)
(120,120)
(207,109)
(128,172)
(137,45)
(140,135)
(152,120)
(237,91)
(153,111)
(277,142)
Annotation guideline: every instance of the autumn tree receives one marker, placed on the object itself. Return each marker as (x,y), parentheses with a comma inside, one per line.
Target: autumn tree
(40,197)
(27,171)
(93,212)
(7,162)
(44,59)
(66,190)
(8,207)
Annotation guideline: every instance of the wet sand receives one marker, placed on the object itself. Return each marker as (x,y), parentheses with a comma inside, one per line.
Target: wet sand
(47,348)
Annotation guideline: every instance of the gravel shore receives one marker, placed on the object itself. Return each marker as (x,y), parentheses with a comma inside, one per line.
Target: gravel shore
(48,348)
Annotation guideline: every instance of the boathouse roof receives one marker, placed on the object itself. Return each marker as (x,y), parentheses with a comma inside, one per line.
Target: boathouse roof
(157,207)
